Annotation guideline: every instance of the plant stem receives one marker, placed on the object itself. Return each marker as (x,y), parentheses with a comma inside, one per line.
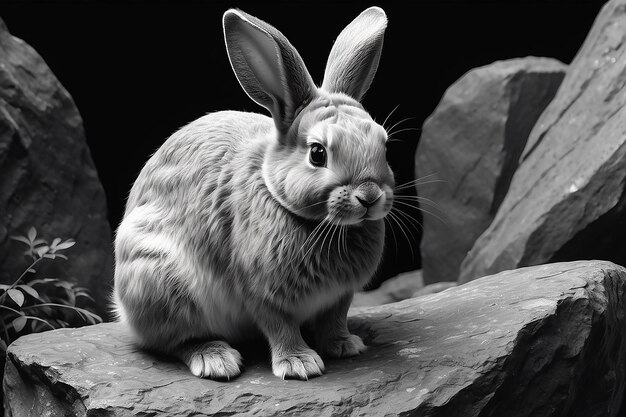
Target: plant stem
(10,309)
(41,320)
(2,297)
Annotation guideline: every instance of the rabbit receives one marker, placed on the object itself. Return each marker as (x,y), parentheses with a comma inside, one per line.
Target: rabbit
(242,225)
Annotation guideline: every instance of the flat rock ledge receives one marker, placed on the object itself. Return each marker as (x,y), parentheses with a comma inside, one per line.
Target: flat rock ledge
(537,341)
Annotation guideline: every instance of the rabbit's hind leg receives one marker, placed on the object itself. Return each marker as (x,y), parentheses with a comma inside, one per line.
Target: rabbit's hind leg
(214,359)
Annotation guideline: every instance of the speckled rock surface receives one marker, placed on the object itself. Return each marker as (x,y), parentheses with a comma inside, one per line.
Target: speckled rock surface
(527,342)
(566,200)
(47,177)
(473,141)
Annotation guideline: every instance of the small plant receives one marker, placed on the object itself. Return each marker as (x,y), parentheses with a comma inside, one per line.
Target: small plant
(35,305)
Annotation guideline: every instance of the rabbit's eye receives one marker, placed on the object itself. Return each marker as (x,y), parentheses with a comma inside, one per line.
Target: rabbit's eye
(317,155)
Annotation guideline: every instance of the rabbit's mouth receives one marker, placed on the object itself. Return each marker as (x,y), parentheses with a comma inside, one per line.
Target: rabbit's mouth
(355,210)
(350,204)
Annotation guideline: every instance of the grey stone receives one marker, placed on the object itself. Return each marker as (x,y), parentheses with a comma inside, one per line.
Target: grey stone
(394,289)
(472,142)
(537,341)
(566,200)
(434,288)
(48,177)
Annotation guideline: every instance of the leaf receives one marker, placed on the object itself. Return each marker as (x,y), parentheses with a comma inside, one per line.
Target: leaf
(40,320)
(60,255)
(4,286)
(38,242)
(22,239)
(43,311)
(59,283)
(41,281)
(42,250)
(55,242)
(71,298)
(49,255)
(84,294)
(32,233)
(61,323)
(32,270)
(19,323)
(16,296)
(67,244)
(29,290)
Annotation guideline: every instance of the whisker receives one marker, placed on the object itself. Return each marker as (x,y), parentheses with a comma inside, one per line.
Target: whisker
(330,241)
(418,199)
(314,204)
(420,205)
(393,233)
(414,197)
(388,116)
(294,231)
(418,181)
(339,242)
(344,229)
(400,224)
(406,129)
(418,225)
(303,223)
(422,178)
(310,237)
(325,233)
(415,185)
(328,224)
(423,210)
(390,130)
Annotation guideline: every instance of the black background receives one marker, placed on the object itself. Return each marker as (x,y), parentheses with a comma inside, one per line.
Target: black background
(140,70)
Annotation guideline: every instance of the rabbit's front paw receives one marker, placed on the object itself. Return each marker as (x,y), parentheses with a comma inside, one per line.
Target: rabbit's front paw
(342,346)
(303,364)
(214,360)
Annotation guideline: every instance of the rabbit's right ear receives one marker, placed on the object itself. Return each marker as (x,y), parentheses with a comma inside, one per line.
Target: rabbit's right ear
(268,67)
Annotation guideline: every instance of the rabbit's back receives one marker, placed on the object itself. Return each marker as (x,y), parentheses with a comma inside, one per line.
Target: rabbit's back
(196,157)
(171,247)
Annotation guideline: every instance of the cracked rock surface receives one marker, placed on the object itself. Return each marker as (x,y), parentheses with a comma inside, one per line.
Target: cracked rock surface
(538,341)
(566,200)
(473,141)
(48,179)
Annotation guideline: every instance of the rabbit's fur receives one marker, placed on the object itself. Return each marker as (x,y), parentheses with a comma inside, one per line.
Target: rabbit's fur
(232,229)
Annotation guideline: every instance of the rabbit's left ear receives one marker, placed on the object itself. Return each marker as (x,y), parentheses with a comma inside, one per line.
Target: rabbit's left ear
(354,57)
(267,66)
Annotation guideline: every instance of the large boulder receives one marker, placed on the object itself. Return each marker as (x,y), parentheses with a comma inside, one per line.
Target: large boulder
(566,200)
(538,341)
(472,142)
(48,177)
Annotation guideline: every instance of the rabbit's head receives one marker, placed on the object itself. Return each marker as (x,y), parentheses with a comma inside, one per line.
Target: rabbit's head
(327,158)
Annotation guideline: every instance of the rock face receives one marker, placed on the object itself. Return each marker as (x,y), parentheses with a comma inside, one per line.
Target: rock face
(538,341)
(48,178)
(566,200)
(472,142)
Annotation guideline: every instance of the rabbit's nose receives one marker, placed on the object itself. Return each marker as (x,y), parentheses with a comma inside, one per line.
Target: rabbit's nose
(368,194)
